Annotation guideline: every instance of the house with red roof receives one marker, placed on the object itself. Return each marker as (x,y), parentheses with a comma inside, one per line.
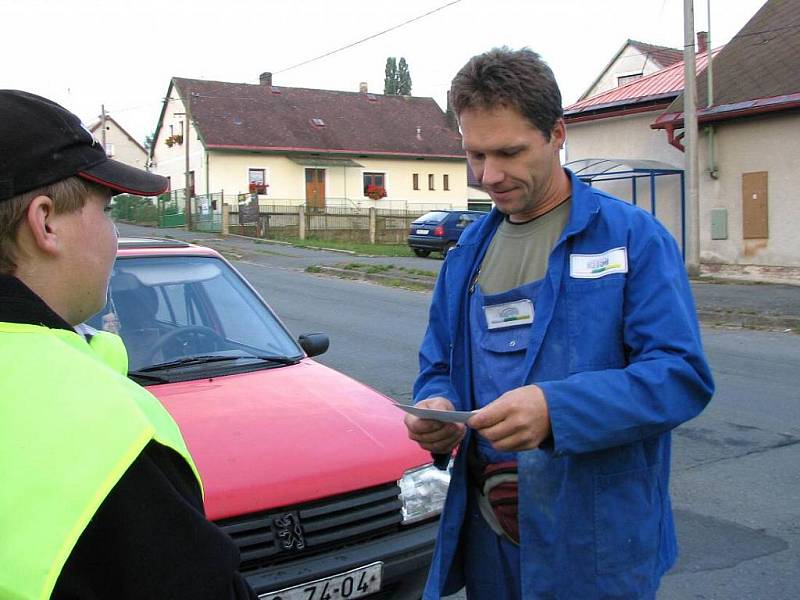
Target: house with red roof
(616,124)
(749,148)
(749,144)
(632,61)
(322,148)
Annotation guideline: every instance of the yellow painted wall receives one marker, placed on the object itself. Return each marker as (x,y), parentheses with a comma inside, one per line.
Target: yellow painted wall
(343,185)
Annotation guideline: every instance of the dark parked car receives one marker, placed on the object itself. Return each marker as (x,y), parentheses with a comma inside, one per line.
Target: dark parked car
(439,230)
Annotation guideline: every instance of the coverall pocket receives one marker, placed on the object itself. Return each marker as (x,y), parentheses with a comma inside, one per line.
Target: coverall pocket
(594,314)
(503,341)
(627,514)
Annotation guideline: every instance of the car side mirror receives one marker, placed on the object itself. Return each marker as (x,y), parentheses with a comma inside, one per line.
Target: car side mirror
(314,344)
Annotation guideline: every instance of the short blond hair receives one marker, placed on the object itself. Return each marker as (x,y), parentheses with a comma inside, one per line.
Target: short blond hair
(68,195)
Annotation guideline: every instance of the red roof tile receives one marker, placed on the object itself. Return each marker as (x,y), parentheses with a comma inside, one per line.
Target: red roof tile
(662,55)
(664,84)
(286,119)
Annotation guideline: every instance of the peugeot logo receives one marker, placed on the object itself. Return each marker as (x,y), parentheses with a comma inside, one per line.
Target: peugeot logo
(288,531)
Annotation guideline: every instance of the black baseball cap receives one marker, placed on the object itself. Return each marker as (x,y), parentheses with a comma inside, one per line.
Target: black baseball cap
(42,143)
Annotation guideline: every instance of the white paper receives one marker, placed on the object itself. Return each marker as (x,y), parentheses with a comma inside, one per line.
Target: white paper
(446,416)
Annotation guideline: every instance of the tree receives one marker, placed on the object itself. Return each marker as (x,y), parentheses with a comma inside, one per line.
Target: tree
(390,80)
(398,78)
(403,78)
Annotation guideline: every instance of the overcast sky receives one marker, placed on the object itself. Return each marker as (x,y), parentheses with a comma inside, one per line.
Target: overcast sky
(86,53)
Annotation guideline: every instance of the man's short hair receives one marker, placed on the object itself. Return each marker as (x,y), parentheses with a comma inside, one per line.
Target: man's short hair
(508,78)
(67,195)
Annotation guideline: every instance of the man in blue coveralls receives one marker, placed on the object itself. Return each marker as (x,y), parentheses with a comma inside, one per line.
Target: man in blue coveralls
(566,321)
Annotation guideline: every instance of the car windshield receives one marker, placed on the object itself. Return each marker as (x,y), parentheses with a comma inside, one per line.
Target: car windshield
(435,216)
(180,311)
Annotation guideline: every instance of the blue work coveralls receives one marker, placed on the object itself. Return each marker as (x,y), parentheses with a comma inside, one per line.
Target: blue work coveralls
(620,362)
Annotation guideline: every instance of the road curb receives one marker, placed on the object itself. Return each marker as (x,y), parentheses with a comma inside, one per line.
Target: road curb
(709,317)
(748,320)
(412,282)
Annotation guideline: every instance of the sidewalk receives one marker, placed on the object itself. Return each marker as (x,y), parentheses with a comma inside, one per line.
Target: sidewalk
(722,299)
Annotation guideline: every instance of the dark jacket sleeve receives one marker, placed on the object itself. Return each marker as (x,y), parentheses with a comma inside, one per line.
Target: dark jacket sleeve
(150,539)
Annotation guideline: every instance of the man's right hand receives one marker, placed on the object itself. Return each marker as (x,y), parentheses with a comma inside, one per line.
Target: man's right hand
(435,436)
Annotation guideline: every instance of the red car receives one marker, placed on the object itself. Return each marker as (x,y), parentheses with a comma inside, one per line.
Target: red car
(310,472)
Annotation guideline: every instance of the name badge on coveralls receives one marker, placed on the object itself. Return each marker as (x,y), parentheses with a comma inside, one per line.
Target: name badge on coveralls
(509,314)
(592,266)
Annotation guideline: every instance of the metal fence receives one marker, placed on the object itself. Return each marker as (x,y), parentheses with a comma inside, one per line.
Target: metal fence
(331,223)
(286,220)
(207,213)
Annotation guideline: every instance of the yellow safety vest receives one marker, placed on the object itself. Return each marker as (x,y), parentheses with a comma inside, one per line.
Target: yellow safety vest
(70,426)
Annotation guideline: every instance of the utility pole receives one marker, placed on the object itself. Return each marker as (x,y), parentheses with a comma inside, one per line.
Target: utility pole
(690,138)
(187,196)
(103,126)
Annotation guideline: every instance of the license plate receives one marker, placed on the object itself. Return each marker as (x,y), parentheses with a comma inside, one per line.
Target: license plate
(422,232)
(352,584)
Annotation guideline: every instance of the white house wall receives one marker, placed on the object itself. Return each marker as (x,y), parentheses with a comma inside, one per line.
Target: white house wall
(125,150)
(630,62)
(627,136)
(171,161)
(228,172)
(771,144)
(630,137)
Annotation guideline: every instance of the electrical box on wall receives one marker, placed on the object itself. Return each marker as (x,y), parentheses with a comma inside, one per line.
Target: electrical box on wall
(719,223)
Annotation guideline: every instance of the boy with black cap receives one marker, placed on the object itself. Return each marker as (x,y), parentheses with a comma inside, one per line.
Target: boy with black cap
(99,496)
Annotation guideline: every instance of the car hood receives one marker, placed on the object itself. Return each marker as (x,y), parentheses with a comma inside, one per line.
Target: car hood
(281,436)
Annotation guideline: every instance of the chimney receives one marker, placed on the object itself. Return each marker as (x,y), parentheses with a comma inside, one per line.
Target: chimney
(702,41)
(265,78)
(362,87)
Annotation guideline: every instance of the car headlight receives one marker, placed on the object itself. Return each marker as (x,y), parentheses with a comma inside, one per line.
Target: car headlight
(423,491)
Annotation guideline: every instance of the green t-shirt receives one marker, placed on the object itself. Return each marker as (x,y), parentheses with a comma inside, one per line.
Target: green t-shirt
(518,253)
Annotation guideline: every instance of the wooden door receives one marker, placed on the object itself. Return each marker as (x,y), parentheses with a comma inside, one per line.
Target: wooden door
(315,189)
(755,206)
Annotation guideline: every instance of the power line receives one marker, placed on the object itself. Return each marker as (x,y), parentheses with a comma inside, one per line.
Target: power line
(373,36)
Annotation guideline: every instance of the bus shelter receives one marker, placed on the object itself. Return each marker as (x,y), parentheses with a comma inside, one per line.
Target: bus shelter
(595,170)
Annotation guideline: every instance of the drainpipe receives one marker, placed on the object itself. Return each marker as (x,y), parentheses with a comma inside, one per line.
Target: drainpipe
(674,140)
(712,163)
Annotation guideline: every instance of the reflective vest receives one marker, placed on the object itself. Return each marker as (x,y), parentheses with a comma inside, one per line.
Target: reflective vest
(70,426)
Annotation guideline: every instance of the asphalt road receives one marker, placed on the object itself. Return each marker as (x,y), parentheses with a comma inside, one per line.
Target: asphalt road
(735,483)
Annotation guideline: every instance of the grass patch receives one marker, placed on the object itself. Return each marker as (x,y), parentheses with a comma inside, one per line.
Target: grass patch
(356,247)
(367,268)
(313,269)
(419,272)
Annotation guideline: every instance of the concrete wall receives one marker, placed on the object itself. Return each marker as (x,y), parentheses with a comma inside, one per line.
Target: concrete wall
(771,144)
(621,137)
(631,137)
